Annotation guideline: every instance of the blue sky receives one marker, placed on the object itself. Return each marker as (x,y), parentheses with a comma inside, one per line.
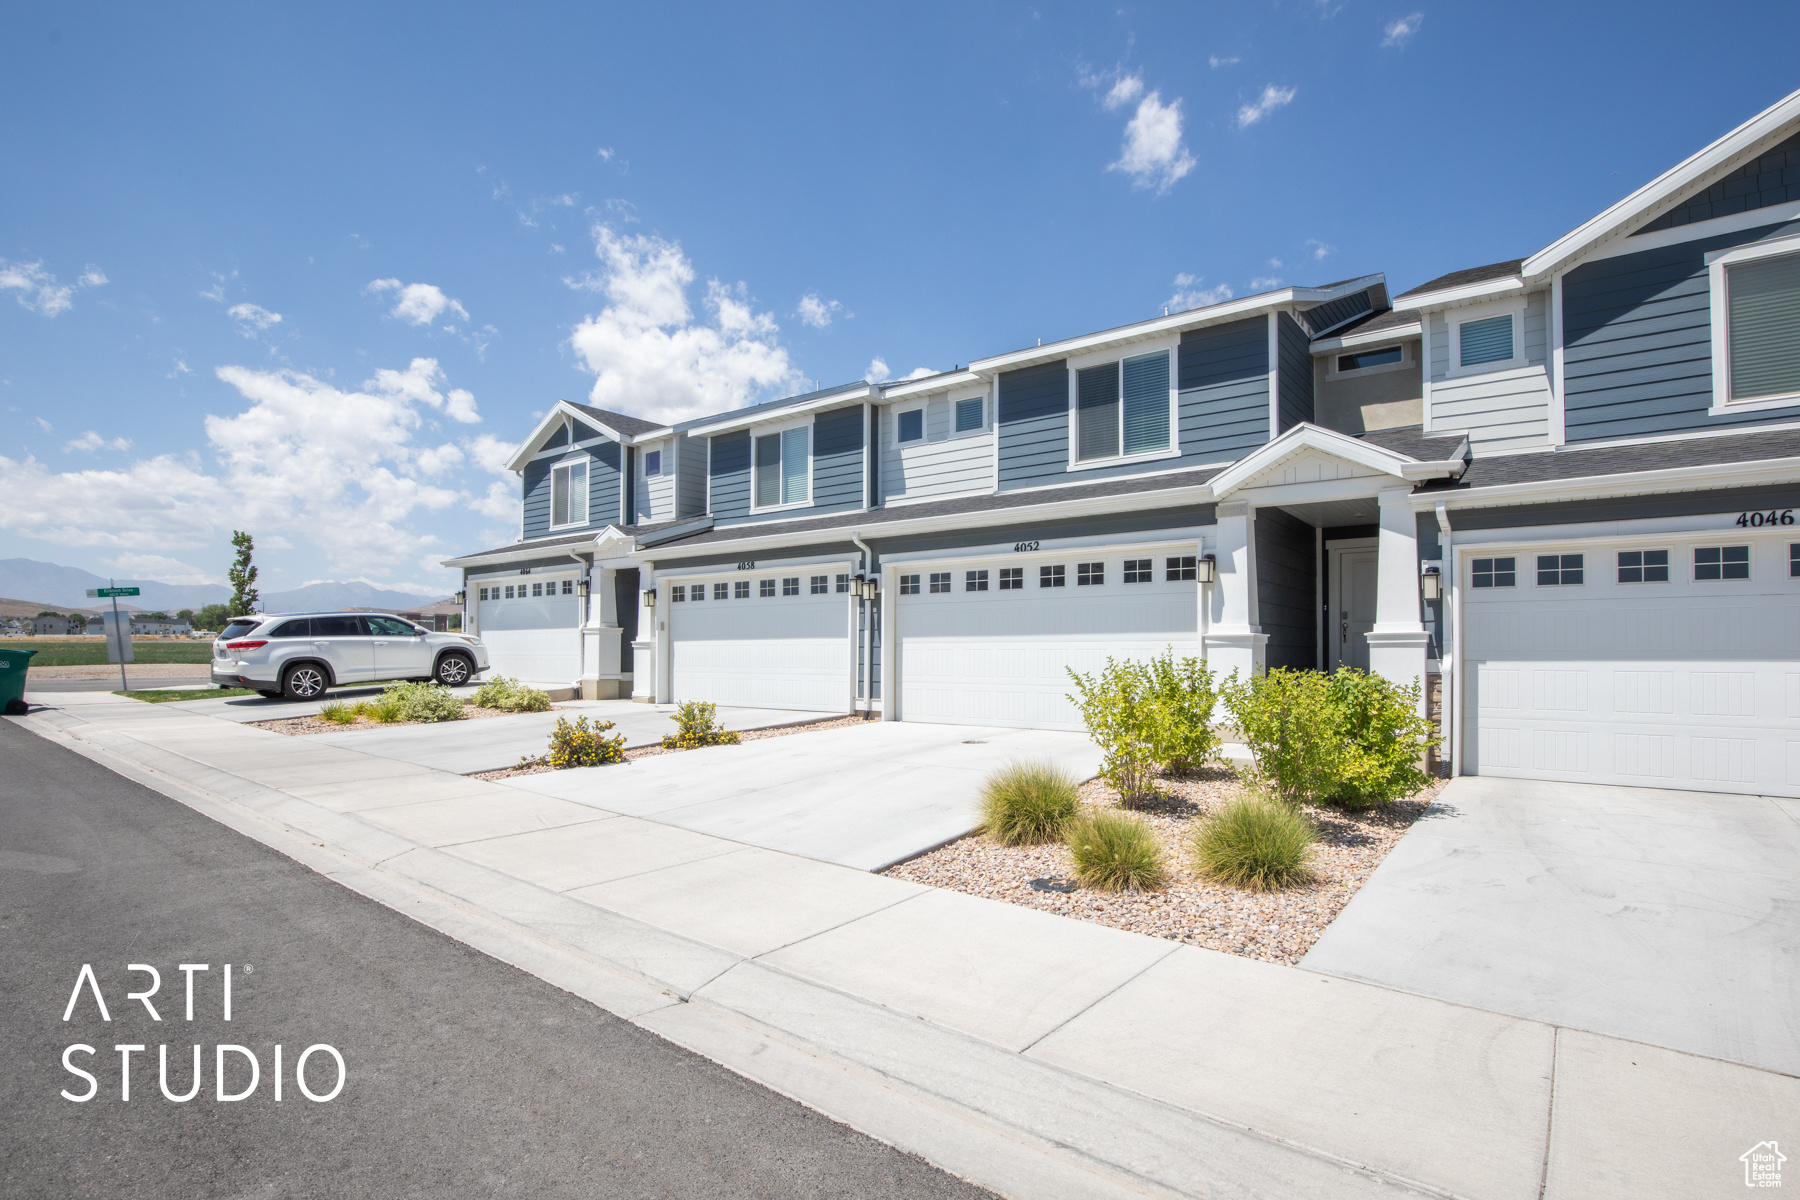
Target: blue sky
(310,270)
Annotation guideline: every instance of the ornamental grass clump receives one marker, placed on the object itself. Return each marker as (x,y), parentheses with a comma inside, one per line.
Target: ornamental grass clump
(340,713)
(1025,802)
(577,744)
(509,695)
(696,725)
(386,710)
(426,702)
(1115,852)
(1255,843)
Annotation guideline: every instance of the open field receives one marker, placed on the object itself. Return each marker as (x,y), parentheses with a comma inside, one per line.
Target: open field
(88,652)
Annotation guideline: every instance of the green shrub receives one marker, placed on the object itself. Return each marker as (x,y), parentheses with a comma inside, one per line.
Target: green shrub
(340,713)
(1254,843)
(424,702)
(1294,727)
(1388,740)
(1115,852)
(1148,717)
(1028,802)
(509,695)
(577,744)
(696,725)
(387,710)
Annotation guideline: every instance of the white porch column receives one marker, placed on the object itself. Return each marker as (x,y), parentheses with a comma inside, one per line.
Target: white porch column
(600,634)
(1234,641)
(889,599)
(643,650)
(1398,642)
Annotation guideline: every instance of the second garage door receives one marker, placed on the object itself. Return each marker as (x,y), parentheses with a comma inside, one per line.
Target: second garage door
(777,640)
(1673,664)
(991,642)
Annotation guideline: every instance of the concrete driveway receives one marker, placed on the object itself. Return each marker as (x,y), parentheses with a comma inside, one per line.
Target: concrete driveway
(490,743)
(1659,916)
(864,797)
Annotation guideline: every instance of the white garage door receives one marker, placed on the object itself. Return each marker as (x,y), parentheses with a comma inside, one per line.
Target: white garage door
(979,650)
(531,627)
(1671,664)
(762,640)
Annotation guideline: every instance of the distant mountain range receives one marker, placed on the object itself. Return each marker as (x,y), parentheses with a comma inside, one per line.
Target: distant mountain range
(56,586)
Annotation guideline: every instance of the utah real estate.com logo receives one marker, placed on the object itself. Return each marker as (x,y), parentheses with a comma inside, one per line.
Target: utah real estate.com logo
(1762,1165)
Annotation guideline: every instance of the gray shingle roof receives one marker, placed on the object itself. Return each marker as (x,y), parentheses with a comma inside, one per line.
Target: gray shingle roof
(1375,322)
(1620,460)
(1499,270)
(630,426)
(1412,441)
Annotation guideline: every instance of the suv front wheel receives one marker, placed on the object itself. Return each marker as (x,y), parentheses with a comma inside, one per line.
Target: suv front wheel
(453,670)
(303,681)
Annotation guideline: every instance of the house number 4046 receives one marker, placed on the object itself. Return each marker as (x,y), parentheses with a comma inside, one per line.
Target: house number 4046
(1775,516)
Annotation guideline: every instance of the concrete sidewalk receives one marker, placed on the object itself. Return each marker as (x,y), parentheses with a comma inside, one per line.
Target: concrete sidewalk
(1035,1055)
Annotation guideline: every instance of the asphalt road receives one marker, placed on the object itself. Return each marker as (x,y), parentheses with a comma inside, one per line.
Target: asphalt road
(465,1077)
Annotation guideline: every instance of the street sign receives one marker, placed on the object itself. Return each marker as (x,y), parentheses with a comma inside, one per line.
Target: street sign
(112,591)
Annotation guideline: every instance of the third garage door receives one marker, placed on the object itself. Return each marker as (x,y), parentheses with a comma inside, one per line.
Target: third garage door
(1672,663)
(991,642)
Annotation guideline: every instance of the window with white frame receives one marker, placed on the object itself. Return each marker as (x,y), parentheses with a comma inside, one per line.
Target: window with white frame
(1643,566)
(969,414)
(1362,360)
(1485,340)
(569,493)
(1012,579)
(765,589)
(820,585)
(652,463)
(1493,572)
(1756,324)
(1122,408)
(909,426)
(1721,562)
(1138,570)
(677,593)
(740,589)
(975,581)
(721,591)
(940,582)
(783,466)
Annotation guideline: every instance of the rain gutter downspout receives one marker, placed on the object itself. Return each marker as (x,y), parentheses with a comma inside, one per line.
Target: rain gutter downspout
(868,631)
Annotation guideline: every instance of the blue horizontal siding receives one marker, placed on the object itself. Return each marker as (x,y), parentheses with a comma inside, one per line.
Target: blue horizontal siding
(1224,381)
(1637,343)
(603,487)
(837,469)
(728,473)
(1772,178)
(1295,402)
(535,491)
(1033,421)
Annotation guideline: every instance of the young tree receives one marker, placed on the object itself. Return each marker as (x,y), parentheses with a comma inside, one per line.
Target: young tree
(186,614)
(244,597)
(213,616)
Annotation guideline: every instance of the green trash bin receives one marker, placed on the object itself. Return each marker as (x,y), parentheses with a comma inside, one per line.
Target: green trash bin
(13,665)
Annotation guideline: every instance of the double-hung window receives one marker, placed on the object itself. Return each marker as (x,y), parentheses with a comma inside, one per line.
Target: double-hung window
(1122,408)
(783,466)
(1756,324)
(569,493)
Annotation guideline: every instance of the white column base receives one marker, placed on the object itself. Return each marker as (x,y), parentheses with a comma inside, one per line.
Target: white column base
(1242,654)
(643,671)
(1399,656)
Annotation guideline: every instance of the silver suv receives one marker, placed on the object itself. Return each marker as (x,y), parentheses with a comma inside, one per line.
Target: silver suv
(299,655)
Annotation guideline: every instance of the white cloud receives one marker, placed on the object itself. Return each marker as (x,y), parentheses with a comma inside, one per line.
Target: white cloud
(1153,154)
(1275,263)
(252,319)
(181,368)
(490,453)
(419,383)
(216,292)
(418,303)
(1123,92)
(1189,293)
(1215,62)
(38,290)
(816,312)
(93,441)
(1265,283)
(1400,31)
(878,370)
(649,353)
(43,424)
(1272,98)
(1319,249)
(164,569)
(605,153)
(501,502)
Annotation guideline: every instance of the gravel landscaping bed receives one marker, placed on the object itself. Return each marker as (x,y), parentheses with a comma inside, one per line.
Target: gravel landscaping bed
(747,735)
(300,726)
(1278,927)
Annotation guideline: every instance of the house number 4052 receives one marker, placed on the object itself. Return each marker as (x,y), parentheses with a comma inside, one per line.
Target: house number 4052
(1024,547)
(1775,516)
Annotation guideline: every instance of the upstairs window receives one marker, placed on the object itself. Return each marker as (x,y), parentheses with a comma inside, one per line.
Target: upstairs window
(652,463)
(1488,340)
(1761,319)
(569,494)
(968,414)
(910,426)
(1370,358)
(1122,408)
(783,462)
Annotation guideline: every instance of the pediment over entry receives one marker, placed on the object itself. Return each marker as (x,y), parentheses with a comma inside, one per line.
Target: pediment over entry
(1312,454)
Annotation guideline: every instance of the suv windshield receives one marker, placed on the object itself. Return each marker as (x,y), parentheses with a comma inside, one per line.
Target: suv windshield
(237,627)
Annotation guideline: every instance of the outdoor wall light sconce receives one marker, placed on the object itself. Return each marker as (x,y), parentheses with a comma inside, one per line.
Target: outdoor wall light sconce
(1206,568)
(1431,583)
(871,588)
(650,598)
(462,599)
(581,588)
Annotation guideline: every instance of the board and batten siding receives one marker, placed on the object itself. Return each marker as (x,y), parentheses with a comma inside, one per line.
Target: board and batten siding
(603,487)
(837,466)
(943,464)
(690,477)
(1637,342)
(728,473)
(1500,409)
(1294,399)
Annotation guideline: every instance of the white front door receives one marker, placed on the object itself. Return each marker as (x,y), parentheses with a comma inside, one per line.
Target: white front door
(531,627)
(1355,576)
(992,641)
(763,639)
(1677,666)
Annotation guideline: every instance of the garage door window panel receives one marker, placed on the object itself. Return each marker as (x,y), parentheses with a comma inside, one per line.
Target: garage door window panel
(1181,568)
(765,589)
(1137,570)
(1052,577)
(740,590)
(1493,572)
(940,582)
(1559,570)
(909,585)
(790,586)
(1012,579)
(1090,574)
(1794,562)
(1719,563)
(975,581)
(1643,566)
